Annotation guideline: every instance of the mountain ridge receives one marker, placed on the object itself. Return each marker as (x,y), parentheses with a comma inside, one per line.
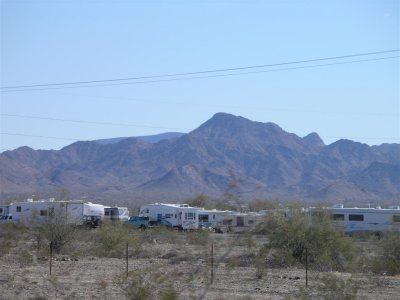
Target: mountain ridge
(267,161)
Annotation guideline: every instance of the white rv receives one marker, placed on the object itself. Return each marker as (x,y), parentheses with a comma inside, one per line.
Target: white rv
(364,219)
(38,212)
(116,213)
(173,215)
(5,214)
(212,218)
(239,222)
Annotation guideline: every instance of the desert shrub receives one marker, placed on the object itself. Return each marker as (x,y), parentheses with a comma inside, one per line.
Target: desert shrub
(56,231)
(169,293)
(150,283)
(139,288)
(159,235)
(25,258)
(112,238)
(328,287)
(198,237)
(388,259)
(327,247)
(333,287)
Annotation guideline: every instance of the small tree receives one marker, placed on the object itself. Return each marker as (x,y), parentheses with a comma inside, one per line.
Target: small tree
(57,230)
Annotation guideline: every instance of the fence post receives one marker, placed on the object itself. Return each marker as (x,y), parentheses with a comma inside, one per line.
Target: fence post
(306,267)
(212,263)
(127,260)
(51,255)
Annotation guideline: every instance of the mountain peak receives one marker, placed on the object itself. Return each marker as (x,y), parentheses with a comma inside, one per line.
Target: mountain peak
(313,139)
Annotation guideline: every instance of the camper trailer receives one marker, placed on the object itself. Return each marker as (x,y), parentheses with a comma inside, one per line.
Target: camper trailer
(239,222)
(212,219)
(179,216)
(363,219)
(5,214)
(39,212)
(116,214)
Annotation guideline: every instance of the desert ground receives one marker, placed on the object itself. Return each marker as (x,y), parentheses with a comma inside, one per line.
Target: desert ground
(164,264)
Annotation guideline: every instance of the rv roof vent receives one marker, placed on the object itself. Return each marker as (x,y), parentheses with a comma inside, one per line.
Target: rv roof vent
(378,207)
(338,206)
(51,199)
(184,205)
(29,200)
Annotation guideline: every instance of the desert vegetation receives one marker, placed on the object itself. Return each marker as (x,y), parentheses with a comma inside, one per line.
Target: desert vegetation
(269,262)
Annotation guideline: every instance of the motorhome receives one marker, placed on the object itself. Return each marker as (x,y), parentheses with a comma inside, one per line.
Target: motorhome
(38,212)
(363,219)
(180,216)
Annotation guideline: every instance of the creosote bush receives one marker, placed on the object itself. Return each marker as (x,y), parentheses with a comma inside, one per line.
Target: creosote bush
(112,238)
(327,248)
(388,260)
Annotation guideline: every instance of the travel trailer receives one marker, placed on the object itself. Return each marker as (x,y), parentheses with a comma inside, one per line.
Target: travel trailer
(239,222)
(5,213)
(179,216)
(212,219)
(363,219)
(39,212)
(116,214)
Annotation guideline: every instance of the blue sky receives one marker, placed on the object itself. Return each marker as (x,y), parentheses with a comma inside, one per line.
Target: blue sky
(67,41)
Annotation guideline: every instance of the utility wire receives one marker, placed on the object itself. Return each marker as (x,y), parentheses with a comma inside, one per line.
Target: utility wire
(39,136)
(92,122)
(110,81)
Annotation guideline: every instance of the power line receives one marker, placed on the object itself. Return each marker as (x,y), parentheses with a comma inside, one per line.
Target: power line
(39,136)
(92,122)
(78,84)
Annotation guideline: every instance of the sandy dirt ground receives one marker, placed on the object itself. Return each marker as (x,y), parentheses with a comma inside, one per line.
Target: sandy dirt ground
(184,266)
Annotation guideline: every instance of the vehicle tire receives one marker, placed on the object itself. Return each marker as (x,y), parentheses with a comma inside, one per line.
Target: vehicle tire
(142,227)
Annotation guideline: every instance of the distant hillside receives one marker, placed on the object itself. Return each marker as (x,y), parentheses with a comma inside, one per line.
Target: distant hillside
(148,138)
(262,159)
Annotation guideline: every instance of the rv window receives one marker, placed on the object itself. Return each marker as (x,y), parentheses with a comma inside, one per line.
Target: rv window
(227,222)
(213,217)
(107,213)
(356,217)
(51,211)
(337,217)
(43,213)
(175,216)
(1,210)
(239,221)
(147,211)
(18,208)
(203,218)
(250,222)
(396,218)
(167,216)
(190,216)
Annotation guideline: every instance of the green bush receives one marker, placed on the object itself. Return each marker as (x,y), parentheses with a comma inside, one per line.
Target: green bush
(388,260)
(334,288)
(169,293)
(112,238)
(327,247)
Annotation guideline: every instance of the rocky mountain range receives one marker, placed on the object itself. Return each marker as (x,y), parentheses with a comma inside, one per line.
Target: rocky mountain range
(250,160)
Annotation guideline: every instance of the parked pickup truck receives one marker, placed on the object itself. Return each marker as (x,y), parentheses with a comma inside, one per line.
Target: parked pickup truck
(138,222)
